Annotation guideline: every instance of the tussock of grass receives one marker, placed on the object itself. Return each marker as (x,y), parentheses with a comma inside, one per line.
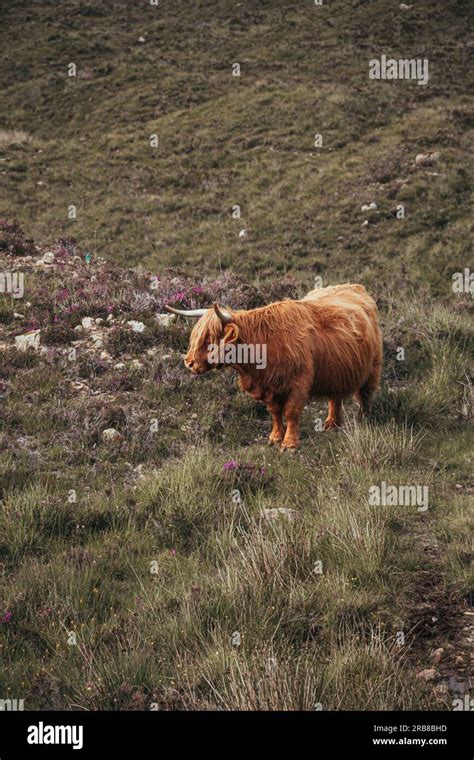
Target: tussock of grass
(380,446)
(30,519)
(9,137)
(356,676)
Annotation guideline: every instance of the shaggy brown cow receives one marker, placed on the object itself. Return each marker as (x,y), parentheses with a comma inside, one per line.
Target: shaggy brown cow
(327,345)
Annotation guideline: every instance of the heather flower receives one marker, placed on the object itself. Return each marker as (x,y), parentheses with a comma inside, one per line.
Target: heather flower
(248,473)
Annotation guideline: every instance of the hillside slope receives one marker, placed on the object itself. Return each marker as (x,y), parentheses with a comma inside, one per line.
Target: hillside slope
(223,140)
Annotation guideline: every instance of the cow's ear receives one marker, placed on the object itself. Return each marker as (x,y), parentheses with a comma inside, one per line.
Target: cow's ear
(231,334)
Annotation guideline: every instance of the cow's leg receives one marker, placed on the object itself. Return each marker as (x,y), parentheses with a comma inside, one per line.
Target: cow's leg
(364,397)
(278,430)
(334,418)
(293,409)
(364,394)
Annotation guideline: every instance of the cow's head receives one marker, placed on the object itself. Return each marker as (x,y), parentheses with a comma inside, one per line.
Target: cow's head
(216,327)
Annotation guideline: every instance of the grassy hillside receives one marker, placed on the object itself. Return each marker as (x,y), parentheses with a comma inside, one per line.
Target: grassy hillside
(247,140)
(177,562)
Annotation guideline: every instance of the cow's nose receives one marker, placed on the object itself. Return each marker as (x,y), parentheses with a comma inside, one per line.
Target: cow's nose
(189,363)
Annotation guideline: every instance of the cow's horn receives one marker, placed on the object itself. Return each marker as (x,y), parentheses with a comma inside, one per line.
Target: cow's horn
(224,315)
(187,312)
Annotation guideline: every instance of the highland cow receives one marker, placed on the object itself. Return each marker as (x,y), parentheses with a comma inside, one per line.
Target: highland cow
(326,345)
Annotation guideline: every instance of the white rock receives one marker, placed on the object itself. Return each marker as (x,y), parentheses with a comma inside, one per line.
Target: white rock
(370,207)
(78,328)
(99,321)
(137,327)
(426,159)
(243,233)
(48,257)
(141,39)
(28,340)
(18,316)
(166,357)
(136,364)
(110,318)
(404,7)
(165,319)
(120,365)
(87,323)
(110,434)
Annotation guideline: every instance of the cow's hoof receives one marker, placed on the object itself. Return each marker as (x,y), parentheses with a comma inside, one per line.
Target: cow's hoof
(291,448)
(274,439)
(331,425)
